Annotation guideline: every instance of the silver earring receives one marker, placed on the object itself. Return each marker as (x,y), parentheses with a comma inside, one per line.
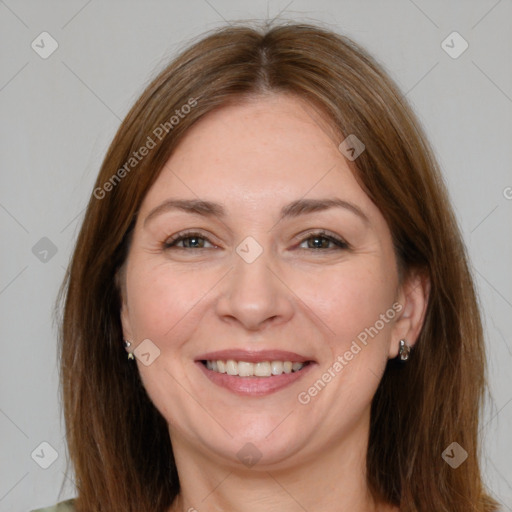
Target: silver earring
(404,350)
(130,354)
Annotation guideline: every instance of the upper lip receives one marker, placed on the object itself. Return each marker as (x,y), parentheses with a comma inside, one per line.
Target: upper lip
(253,356)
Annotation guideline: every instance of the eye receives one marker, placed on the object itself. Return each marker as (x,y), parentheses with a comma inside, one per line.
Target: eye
(191,241)
(321,240)
(315,241)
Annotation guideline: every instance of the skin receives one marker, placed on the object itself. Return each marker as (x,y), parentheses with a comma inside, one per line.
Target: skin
(254,158)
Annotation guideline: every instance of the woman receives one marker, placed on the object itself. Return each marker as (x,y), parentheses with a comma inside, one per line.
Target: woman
(269,305)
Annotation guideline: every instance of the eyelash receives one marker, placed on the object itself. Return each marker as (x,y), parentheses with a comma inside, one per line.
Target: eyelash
(338,242)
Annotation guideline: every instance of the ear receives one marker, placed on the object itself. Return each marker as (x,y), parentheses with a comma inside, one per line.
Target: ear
(413,296)
(120,280)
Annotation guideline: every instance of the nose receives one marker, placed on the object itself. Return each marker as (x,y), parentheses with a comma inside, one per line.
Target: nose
(255,295)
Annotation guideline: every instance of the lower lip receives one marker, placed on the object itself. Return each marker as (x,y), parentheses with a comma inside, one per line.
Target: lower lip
(254,386)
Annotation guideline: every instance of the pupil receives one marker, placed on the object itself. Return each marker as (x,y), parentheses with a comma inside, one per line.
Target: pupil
(321,241)
(193,241)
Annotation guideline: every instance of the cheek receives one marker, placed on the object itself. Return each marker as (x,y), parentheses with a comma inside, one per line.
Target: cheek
(159,298)
(350,300)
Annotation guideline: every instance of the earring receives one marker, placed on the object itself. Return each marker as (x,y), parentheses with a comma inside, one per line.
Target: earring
(130,354)
(404,350)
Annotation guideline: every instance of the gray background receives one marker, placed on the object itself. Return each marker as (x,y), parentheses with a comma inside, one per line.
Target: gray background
(60,113)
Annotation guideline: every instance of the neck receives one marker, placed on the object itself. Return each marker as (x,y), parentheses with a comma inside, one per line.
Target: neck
(333,481)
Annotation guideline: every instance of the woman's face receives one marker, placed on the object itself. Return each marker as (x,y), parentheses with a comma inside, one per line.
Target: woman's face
(265,273)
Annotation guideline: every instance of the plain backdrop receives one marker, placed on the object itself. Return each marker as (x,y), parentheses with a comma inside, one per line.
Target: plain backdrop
(59,113)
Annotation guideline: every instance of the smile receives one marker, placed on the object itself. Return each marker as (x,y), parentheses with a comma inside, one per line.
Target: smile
(254,373)
(257,369)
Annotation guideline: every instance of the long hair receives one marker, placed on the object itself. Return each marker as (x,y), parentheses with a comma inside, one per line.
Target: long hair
(118,441)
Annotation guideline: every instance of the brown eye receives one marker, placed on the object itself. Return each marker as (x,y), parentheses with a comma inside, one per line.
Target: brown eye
(321,241)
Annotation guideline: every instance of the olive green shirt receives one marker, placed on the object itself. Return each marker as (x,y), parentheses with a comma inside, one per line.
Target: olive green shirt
(62,506)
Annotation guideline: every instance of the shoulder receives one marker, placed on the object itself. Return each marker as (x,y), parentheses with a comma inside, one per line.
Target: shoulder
(62,506)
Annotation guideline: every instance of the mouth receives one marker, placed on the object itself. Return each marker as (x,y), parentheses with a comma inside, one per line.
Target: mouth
(258,369)
(254,373)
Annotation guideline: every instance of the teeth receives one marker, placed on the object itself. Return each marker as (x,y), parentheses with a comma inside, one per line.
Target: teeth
(245,369)
(260,369)
(276,367)
(231,367)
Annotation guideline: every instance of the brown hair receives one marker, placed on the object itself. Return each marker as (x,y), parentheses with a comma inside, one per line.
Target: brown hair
(118,441)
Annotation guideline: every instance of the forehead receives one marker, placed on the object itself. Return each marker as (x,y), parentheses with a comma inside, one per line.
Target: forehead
(268,149)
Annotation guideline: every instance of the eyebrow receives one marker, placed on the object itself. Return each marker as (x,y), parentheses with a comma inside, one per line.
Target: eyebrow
(293,209)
